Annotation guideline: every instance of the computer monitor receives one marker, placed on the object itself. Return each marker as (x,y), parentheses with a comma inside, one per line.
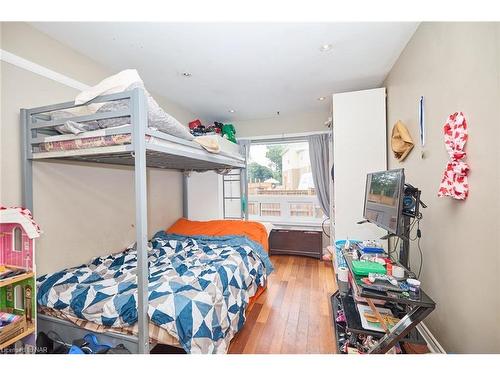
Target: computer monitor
(383,199)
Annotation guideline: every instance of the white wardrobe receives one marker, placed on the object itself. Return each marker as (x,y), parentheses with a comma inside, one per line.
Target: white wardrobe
(359,147)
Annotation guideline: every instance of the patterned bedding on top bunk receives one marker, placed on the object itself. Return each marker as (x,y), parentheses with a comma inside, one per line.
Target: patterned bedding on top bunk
(95,139)
(199,288)
(82,143)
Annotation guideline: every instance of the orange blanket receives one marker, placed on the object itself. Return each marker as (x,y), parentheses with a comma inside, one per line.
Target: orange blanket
(252,229)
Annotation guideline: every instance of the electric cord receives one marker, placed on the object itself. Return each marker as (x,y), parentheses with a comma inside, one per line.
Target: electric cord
(421,258)
(323,227)
(394,249)
(417,237)
(397,240)
(417,221)
(414,238)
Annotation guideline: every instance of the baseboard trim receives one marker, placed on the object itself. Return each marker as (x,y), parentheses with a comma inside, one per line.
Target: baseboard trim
(432,343)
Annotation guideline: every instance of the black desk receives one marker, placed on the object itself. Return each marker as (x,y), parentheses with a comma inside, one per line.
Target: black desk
(417,310)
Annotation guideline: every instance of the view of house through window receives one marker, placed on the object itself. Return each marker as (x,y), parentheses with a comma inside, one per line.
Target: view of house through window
(280,184)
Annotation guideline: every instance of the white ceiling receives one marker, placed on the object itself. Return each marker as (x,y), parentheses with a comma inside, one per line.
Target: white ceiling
(256,69)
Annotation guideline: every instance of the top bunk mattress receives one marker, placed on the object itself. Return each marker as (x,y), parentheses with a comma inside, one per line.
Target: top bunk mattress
(102,138)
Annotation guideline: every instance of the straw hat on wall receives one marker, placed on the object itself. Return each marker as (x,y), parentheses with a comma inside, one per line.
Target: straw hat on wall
(401,142)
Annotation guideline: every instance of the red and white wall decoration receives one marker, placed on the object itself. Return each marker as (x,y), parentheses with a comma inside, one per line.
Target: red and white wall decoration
(454,182)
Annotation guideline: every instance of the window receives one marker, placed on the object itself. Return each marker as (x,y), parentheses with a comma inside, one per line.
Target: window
(18,297)
(17,239)
(280,184)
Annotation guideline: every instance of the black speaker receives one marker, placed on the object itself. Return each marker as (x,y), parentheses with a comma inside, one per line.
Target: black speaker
(411,201)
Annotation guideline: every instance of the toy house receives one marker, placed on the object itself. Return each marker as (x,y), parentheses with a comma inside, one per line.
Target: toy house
(18,232)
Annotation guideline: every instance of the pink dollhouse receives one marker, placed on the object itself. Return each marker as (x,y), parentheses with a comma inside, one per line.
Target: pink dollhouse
(17,234)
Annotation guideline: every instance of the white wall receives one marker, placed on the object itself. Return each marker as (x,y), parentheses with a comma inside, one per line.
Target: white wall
(456,67)
(283,124)
(84,210)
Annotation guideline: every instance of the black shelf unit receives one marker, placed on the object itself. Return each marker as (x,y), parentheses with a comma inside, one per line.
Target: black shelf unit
(336,326)
(405,331)
(424,300)
(353,320)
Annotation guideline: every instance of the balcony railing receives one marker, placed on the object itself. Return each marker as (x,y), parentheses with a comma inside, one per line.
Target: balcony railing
(285,208)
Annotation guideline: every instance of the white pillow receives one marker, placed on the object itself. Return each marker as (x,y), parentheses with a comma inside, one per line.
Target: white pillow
(71,127)
(157,117)
(111,85)
(128,80)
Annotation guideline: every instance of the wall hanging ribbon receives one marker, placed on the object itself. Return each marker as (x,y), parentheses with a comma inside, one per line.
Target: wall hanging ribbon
(454,182)
(421,124)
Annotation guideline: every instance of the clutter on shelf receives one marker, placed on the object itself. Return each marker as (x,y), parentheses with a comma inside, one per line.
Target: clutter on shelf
(375,294)
(351,342)
(224,130)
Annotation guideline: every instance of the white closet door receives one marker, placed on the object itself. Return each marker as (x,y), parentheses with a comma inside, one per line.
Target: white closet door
(359,128)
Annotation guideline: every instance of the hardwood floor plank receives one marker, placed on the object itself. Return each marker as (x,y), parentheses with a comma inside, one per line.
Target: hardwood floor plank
(252,344)
(293,315)
(273,299)
(239,341)
(287,270)
(266,337)
(313,332)
(280,326)
(303,322)
(288,342)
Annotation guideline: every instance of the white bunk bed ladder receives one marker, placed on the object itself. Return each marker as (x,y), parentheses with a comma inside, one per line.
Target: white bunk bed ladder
(234,202)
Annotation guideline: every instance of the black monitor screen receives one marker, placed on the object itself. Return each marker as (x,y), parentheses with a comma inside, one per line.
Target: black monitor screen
(383,199)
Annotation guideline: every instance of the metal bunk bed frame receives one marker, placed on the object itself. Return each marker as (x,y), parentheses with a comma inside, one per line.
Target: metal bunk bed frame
(172,153)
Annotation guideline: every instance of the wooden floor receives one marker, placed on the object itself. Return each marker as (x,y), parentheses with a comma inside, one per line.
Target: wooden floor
(293,315)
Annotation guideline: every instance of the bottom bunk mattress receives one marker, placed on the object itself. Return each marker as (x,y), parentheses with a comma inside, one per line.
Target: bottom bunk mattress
(199,289)
(157,334)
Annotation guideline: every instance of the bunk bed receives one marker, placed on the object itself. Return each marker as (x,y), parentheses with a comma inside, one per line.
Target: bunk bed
(140,147)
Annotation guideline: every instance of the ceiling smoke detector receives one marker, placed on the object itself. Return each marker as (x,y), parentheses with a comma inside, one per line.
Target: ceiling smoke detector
(187,74)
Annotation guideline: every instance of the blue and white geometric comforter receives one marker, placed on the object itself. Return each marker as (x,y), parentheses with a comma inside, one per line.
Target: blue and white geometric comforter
(199,288)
